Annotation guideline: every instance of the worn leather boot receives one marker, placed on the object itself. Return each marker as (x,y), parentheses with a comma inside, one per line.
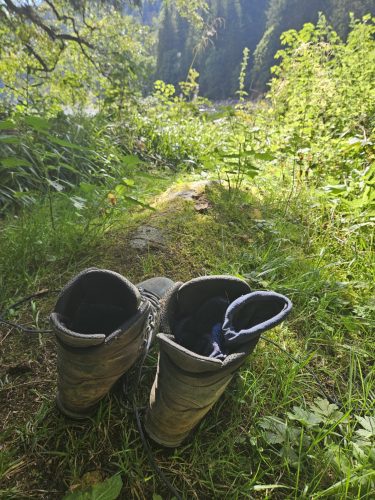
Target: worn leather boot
(102,323)
(210,326)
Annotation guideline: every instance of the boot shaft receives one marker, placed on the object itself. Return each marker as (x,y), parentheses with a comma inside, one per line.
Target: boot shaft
(86,374)
(212,325)
(102,324)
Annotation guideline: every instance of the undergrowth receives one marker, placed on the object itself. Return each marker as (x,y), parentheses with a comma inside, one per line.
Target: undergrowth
(273,434)
(291,209)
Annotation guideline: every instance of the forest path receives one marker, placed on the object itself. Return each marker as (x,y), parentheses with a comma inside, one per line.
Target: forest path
(147,236)
(166,240)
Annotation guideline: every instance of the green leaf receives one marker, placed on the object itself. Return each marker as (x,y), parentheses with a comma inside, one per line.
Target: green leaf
(10,139)
(249,166)
(109,489)
(275,430)
(368,424)
(305,417)
(37,123)
(264,156)
(6,124)
(128,182)
(131,160)
(326,409)
(67,144)
(14,162)
(138,202)
(120,189)
(64,142)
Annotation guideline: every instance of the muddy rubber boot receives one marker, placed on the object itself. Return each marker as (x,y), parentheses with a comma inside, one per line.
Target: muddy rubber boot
(210,326)
(102,323)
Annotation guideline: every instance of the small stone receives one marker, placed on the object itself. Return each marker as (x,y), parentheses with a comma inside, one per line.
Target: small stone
(147,237)
(191,192)
(202,206)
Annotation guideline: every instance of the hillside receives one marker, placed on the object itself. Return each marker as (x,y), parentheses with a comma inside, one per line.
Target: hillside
(216,50)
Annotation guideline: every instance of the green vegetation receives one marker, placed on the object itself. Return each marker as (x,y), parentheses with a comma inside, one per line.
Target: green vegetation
(287,202)
(230,26)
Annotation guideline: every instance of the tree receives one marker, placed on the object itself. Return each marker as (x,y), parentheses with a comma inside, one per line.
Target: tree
(66,21)
(283,15)
(119,62)
(214,48)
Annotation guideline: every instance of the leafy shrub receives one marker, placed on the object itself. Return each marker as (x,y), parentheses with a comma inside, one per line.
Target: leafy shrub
(323,107)
(345,444)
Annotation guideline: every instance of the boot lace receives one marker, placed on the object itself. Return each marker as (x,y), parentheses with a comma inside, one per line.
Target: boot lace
(153,320)
(152,324)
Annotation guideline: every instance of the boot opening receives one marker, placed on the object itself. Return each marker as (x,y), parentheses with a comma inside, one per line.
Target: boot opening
(196,312)
(219,325)
(257,311)
(97,302)
(201,331)
(252,314)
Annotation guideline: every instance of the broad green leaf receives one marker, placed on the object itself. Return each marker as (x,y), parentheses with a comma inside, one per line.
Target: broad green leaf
(6,124)
(67,144)
(264,156)
(109,489)
(249,166)
(275,430)
(14,162)
(305,417)
(64,142)
(368,424)
(120,189)
(37,123)
(138,202)
(131,160)
(326,409)
(251,174)
(128,182)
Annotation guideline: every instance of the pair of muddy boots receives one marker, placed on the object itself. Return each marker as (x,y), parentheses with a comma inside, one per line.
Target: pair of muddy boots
(209,325)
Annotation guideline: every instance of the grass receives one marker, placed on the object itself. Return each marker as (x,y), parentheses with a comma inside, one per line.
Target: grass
(299,246)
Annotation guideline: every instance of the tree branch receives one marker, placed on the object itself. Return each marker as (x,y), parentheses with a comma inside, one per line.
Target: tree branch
(40,59)
(29,13)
